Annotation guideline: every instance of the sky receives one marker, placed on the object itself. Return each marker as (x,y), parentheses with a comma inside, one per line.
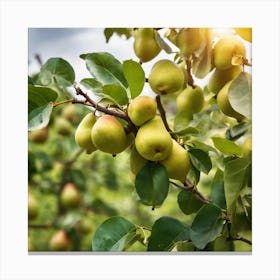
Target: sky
(69,43)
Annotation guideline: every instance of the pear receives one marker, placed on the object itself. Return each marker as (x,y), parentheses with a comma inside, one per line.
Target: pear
(166,77)
(83,133)
(59,241)
(145,45)
(224,104)
(152,141)
(247,147)
(108,135)
(137,162)
(177,163)
(142,109)
(225,49)
(33,207)
(62,126)
(70,196)
(189,40)
(244,33)
(220,77)
(70,113)
(84,226)
(190,100)
(39,135)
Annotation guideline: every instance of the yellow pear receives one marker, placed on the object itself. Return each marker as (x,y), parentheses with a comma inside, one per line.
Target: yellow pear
(145,45)
(166,77)
(70,196)
(225,49)
(220,77)
(39,135)
(247,147)
(224,104)
(59,241)
(152,141)
(177,163)
(244,33)
(108,135)
(190,100)
(136,161)
(33,207)
(70,113)
(142,109)
(189,40)
(83,133)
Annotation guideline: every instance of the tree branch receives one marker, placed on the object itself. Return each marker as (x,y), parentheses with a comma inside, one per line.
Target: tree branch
(190,78)
(163,117)
(118,114)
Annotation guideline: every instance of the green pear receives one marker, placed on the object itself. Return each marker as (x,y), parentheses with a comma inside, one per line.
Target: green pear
(59,241)
(84,226)
(142,109)
(70,196)
(83,133)
(189,40)
(33,207)
(177,163)
(225,49)
(220,77)
(70,113)
(224,104)
(145,45)
(190,100)
(62,126)
(108,135)
(39,135)
(137,162)
(247,147)
(152,141)
(166,77)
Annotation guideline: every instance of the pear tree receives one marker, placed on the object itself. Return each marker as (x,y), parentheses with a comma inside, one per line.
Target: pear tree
(190,134)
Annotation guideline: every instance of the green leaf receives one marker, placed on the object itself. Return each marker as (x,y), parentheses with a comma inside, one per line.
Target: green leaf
(116,93)
(181,121)
(39,117)
(234,175)
(39,96)
(108,32)
(113,235)
(188,203)
(135,77)
(105,68)
(166,231)
(202,64)
(237,131)
(152,184)
(201,160)
(30,81)
(226,146)
(218,195)
(240,94)
(202,146)
(92,85)
(206,226)
(57,71)
(194,175)
(163,45)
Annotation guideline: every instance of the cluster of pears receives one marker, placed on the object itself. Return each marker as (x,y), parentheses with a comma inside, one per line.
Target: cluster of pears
(153,142)
(105,133)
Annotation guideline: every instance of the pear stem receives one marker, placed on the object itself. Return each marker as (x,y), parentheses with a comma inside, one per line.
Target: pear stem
(163,116)
(190,78)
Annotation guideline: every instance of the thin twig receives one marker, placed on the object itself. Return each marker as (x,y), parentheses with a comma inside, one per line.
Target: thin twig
(190,78)
(163,116)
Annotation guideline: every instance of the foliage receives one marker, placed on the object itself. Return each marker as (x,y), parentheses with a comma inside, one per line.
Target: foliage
(116,209)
